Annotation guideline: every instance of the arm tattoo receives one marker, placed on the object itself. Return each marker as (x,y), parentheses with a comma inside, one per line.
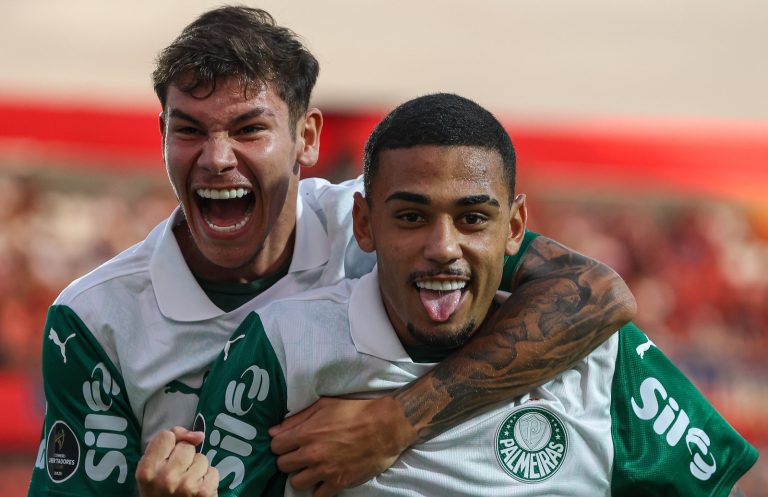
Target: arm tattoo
(562,307)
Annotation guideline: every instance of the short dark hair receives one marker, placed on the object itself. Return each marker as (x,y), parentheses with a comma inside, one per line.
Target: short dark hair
(241,42)
(442,119)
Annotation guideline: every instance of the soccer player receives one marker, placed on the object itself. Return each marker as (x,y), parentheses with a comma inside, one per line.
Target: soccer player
(440,212)
(126,347)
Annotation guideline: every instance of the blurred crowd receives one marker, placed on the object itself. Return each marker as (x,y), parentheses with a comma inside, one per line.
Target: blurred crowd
(50,236)
(699,270)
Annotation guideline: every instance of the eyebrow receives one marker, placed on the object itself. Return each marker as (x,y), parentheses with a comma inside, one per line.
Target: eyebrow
(409,197)
(256,112)
(180,114)
(419,198)
(478,199)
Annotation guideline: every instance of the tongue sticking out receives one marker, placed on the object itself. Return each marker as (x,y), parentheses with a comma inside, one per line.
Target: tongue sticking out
(225,212)
(440,305)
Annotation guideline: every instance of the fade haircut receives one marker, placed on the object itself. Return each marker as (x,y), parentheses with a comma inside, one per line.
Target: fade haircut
(442,119)
(240,42)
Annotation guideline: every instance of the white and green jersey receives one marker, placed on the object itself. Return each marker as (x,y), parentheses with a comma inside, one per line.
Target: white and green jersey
(623,422)
(126,347)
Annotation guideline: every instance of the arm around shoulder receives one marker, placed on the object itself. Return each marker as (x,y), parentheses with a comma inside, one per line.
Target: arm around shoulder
(563,305)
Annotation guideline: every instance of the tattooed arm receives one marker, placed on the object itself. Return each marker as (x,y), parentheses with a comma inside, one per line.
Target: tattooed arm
(562,307)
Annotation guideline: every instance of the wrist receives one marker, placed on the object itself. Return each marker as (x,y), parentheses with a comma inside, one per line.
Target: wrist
(396,427)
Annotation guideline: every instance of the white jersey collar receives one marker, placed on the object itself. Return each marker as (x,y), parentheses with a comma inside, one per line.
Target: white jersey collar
(369,325)
(178,294)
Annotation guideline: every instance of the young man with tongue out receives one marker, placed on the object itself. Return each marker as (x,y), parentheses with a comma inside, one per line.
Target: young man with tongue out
(127,346)
(440,212)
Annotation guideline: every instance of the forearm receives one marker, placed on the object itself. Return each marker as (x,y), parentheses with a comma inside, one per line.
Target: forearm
(563,306)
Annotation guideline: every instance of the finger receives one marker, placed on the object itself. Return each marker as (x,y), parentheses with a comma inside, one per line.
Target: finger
(198,468)
(292,422)
(181,458)
(192,481)
(291,462)
(185,435)
(284,442)
(325,490)
(179,430)
(158,450)
(306,479)
(210,485)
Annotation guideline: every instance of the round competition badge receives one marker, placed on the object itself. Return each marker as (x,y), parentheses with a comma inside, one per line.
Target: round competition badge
(62,455)
(531,444)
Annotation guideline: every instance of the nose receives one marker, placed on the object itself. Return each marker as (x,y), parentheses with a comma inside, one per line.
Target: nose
(442,243)
(217,156)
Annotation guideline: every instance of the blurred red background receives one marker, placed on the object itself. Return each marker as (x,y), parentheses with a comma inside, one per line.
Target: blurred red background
(680,209)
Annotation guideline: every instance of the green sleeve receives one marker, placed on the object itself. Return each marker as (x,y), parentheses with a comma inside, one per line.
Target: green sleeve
(242,397)
(668,439)
(512,262)
(91,440)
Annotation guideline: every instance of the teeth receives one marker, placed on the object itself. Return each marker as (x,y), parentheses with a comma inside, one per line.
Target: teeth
(441,286)
(228,229)
(223,194)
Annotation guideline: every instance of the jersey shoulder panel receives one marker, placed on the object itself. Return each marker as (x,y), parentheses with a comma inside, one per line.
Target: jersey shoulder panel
(242,397)
(91,440)
(668,439)
(512,262)
(114,293)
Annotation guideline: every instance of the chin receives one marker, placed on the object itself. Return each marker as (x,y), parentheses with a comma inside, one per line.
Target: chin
(442,335)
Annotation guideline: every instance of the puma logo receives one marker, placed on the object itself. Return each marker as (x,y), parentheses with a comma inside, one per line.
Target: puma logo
(177,386)
(229,344)
(643,347)
(62,345)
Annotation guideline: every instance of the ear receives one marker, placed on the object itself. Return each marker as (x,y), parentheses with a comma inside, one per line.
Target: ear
(361,223)
(308,137)
(517,221)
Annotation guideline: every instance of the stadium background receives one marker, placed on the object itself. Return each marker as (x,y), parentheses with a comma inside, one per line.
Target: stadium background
(642,130)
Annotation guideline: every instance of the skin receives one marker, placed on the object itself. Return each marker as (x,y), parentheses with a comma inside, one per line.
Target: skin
(563,305)
(441,214)
(736,492)
(171,466)
(233,139)
(222,140)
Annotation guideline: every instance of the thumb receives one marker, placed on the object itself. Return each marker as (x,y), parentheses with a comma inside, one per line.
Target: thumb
(185,435)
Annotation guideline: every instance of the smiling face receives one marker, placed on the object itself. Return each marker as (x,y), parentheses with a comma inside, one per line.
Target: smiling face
(233,158)
(440,220)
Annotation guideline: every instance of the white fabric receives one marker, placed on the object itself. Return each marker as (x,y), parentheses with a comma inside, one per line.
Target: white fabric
(338,341)
(157,325)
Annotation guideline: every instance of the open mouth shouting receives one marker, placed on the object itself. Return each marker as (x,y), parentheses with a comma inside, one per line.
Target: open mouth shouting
(226,210)
(441,297)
